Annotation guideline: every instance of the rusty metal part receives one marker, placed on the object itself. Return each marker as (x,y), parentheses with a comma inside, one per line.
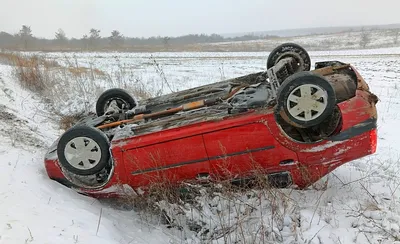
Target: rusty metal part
(372,98)
(193,105)
(345,87)
(342,78)
(330,69)
(114,124)
(361,84)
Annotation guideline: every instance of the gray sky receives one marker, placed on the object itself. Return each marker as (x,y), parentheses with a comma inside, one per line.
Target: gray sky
(179,17)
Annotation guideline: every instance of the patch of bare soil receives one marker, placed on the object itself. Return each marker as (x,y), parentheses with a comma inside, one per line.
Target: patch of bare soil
(17,130)
(14,128)
(4,115)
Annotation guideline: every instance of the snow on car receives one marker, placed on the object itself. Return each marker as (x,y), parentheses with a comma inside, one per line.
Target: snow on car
(291,123)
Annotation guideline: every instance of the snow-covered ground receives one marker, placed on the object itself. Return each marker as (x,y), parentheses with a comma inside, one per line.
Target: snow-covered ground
(361,203)
(34,209)
(334,41)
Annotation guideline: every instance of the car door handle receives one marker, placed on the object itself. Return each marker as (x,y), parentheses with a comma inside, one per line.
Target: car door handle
(287,162)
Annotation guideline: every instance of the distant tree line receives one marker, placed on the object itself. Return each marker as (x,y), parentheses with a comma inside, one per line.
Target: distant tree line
(25,40)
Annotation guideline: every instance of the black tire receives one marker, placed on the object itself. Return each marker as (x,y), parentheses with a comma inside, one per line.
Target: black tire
(121,96)
(86,135)
(290,50)
(291,87)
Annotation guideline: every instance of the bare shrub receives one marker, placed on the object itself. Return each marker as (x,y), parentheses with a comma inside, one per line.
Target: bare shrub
(140,90)
(396,33)
(30,74)
(163,77)
(126,78)
(365,38)
(328,43)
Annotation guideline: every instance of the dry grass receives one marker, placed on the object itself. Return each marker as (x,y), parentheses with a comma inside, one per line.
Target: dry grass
(31,71)
(30,75)
(79,71)
(24,60)
(71,89)
(67,121)
(141,91)
(220,210)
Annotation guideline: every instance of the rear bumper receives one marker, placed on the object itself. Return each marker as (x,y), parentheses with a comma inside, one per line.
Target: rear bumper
(317,162)
(356,139)
(358,129)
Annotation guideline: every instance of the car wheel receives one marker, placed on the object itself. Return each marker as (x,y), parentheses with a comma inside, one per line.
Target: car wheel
(305,99)
(123,99)
(301,58)
(83,150)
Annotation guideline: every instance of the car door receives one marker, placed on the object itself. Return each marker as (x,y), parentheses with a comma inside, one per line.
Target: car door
(244,150)
(167,161)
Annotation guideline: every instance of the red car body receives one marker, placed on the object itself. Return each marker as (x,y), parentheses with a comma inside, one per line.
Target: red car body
(235,147)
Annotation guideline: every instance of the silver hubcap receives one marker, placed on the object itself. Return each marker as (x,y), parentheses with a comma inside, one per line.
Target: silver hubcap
(82,153)
(307,102)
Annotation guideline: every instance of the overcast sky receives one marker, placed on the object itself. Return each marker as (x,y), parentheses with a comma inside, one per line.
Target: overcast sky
(178,17)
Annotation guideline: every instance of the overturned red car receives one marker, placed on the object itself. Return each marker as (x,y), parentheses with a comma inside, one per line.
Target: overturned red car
(291,123)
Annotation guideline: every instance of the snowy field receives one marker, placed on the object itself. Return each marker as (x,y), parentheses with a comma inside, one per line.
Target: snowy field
(189,69)
(334,41)
(361,203)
